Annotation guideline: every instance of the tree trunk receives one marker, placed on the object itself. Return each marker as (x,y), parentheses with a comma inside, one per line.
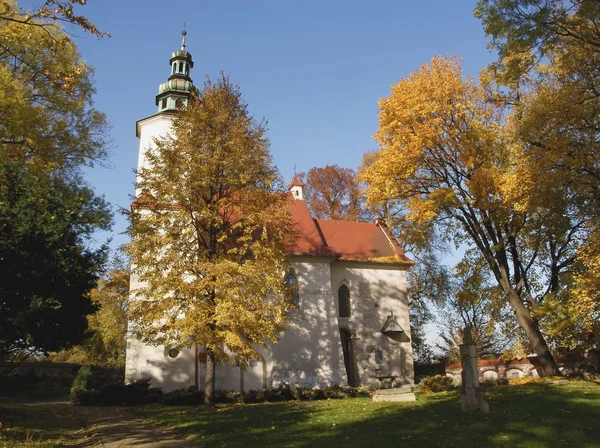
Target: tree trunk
(532,330)
(209,382)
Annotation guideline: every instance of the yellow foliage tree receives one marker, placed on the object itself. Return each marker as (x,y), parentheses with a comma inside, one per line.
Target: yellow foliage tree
(449,155)
(209,233)
(549,58)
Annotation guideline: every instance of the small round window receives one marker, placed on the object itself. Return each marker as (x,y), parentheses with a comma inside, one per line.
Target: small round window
(172,351)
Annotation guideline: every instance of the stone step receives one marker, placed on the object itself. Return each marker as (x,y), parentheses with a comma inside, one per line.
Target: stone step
(396,390)
(404,393)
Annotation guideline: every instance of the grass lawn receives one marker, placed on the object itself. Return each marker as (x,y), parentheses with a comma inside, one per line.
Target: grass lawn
(529,415)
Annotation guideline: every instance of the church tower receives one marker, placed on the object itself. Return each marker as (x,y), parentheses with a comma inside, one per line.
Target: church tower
(172,95)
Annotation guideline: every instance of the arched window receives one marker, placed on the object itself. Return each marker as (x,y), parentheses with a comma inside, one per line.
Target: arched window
(344,301)
(179,103)
(181,67)
(291,282)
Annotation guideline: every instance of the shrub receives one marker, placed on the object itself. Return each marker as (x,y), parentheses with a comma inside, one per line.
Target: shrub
(80,381)
(437,383)
(186,396)
(119,394)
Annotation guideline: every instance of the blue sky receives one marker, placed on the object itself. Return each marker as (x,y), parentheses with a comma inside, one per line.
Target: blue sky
(313,69)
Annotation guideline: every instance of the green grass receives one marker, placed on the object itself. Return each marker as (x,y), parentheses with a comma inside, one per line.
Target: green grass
(531,415)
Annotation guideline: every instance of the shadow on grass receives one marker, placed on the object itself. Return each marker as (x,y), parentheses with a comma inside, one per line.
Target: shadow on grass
(533,415)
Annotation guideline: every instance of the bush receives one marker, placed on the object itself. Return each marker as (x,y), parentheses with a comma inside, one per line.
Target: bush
(80,382)
(187,396)
(119,394)
(140,392)
(437,383)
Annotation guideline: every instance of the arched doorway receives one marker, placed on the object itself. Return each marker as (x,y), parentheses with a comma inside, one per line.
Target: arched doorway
(348,350)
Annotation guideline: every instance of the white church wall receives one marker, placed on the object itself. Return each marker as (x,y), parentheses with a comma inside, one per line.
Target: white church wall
(155,362)
(375,292)
(309,352)
(149,128)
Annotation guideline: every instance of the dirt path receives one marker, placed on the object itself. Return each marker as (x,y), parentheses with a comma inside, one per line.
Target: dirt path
(90,426)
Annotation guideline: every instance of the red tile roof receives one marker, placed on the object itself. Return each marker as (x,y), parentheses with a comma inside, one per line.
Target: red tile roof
(295,183)
(344,240)
(309,240)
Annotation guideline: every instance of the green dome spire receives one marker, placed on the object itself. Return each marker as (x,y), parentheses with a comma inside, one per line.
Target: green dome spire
(176,91)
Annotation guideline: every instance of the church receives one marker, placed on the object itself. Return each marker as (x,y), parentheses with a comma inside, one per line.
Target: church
(350,323)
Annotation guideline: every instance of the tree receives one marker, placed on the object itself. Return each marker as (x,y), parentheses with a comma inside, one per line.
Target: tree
(333,192)
(447,153)
(107,326)
(477,304)
(48,214)
(46,270)
(209,233)
(46,15)
(549,59)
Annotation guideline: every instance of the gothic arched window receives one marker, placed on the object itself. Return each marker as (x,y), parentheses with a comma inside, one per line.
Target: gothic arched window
(344,301)
(291,283)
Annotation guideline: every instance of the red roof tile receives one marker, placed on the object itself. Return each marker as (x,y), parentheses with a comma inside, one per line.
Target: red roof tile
(295,183)
(344,240)
(309,240)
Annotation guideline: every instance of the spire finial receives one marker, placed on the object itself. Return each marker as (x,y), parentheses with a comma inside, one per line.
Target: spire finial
(183,34)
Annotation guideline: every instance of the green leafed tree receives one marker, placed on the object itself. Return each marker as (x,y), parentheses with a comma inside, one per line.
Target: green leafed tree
(46,268)
(48,214)
(209,234)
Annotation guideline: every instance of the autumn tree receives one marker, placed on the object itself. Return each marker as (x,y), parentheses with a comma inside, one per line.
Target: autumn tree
(107,326)
(209,234)
(48,14)
(448,154)
(332,192)
(548,67)
(48,214)
(476,303)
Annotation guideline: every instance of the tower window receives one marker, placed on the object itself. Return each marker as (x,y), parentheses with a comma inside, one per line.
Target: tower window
(344,301)
(181,67)
(163,104)
(179,103)
(291,283)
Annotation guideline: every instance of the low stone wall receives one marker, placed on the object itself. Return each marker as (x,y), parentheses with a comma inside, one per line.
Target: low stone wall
(494,369)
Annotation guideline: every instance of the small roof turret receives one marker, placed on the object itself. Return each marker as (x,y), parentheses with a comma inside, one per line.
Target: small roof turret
(296,188)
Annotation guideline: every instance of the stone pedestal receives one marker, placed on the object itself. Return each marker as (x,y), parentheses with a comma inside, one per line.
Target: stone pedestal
(472,397)
(404,393)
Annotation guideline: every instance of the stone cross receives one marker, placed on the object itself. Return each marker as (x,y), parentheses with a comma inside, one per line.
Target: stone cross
(472,397)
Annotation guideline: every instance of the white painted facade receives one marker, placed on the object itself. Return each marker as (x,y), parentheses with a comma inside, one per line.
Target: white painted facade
(309,353)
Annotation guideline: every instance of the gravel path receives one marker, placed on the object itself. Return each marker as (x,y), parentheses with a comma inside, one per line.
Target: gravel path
(91,426)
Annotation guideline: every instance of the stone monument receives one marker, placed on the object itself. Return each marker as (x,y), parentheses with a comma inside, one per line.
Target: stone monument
(472,397)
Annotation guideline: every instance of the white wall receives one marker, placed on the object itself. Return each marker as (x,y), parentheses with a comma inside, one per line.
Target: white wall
(309,353)
(149,128)
(375,292)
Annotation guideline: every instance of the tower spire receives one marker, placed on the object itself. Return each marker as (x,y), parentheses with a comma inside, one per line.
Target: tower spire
(176,92)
